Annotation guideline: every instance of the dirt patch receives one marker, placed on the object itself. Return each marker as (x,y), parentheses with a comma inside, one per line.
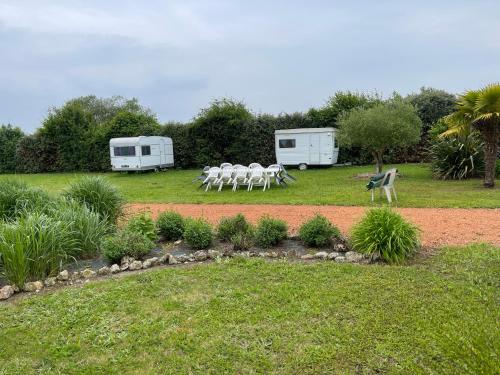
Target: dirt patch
(440,226)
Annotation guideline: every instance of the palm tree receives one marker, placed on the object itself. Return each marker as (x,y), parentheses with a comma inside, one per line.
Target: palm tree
(481,110)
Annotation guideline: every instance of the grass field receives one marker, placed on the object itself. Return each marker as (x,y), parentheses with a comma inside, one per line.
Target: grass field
(335,186)
(439,314)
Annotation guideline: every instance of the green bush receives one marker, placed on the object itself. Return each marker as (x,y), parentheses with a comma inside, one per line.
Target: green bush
(270,231)
(33,247)
(231,226)
(87,227)
(170,225)
(198,233)
(384,232)
(143,224)
(126,243)
(99,196)
(242,241)
(318,231)
(17,198)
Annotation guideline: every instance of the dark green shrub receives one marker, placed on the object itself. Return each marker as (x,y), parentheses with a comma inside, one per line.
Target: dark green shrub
(33,247)
(170,225)
(198,233)
(126,243)
(231,226)
(143,224)
(99,195)
(17,198)
(270,231)
(384,232)
(318,231)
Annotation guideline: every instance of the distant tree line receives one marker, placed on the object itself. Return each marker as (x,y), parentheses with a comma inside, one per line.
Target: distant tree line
(75,137)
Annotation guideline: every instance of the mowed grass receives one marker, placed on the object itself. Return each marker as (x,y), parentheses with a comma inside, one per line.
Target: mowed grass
(437,315)
(336,186)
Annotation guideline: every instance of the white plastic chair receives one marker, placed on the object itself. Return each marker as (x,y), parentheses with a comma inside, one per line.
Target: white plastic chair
(388,185)
(240,177)
(257,177)
(225,177)
(212,176)
(272,171)
(254,165)
(225,165)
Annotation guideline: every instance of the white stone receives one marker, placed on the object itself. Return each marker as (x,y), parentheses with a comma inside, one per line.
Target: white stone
(213,254)
(172,259)
(200,256)
(163,259)
(340,247)
(264,254)
(150,262)
(103,271)
(307,256)
(87,273)
(126,260)
(63,275)
(178,242)
(353,257)
(50,281)
(115,268)
(6,292)
(135,265)
(34,286)
(124,267)
(183,258)
(321,255)
(340,259)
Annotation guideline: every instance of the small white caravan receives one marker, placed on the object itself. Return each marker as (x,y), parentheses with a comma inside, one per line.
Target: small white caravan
(306,146)
(141,153)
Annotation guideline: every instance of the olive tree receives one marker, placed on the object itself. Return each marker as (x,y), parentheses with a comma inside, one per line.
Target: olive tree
(393,123)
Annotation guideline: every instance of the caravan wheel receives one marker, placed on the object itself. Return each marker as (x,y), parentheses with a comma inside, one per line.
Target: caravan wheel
(302,167)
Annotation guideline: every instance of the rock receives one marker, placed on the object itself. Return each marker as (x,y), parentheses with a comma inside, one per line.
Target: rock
(150,262)
(213,254)
(50,281)
(115,268)
(183,258)
(126,260)
(103,271)
(87,273)
(200,256)
(340,247)
(178,242)
(16,288)
(264,254)
(273,254)
(321,255)
(353,257)
(63,276)
(172,259)
(340,259)
(135,265)
(124,267)
(76,275)
(307,256)
(375,257)
(34,286)
(242,254)
(333,255)
(6,292)
(163,259)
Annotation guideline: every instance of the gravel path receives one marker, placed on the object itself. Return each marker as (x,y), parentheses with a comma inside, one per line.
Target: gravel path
(440,226)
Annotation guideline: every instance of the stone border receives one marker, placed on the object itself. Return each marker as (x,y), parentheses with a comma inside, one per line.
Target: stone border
(130,264)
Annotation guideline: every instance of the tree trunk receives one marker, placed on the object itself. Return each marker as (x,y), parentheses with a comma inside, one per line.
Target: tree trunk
(377,155)
(491,133)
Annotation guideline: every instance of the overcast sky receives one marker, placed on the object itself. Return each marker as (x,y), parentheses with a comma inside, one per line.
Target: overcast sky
(276,56)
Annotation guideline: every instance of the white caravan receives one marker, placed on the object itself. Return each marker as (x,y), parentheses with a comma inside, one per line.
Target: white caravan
(141,153)
(306,146)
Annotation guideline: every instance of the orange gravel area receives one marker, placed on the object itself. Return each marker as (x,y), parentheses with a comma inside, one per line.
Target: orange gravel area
(440,226)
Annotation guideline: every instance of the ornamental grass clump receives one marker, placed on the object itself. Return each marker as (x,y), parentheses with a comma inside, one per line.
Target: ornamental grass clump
(198,233)
(318,231)
(143,224)
(17,198)
(384,232)
(270,231)
(170,225)
(98,195)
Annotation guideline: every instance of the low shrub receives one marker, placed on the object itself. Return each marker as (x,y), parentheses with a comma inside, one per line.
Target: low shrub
(229,227)
(384,232)
(87,228)
(198,233)
(318,231)
(126,243)
(33,247)
(170,225)
(143,224)
(99,195)
(242,241)
(17,198)
(270,231)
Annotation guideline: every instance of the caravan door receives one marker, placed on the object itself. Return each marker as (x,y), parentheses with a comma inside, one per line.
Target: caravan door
(314,149)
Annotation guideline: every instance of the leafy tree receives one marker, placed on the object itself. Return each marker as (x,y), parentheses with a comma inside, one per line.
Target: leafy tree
(215,130)
(480,109)
(391,124)
(9,138)
(431,105)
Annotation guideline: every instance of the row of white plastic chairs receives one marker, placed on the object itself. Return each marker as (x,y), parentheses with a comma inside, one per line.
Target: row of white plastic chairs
(238,175)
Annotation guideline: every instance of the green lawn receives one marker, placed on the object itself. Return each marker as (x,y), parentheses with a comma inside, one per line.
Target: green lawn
(439,314)
(316,186)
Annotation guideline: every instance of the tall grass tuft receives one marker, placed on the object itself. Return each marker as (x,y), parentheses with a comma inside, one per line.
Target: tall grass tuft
(98,195)
(17,197)
(33,247)
(384,232)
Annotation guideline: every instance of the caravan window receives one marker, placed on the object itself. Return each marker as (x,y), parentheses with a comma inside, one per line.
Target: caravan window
(287,143)
(335,143)
(124,151)
(145,150)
